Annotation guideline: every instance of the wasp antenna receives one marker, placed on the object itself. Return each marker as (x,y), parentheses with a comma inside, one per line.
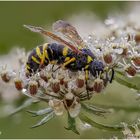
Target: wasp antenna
(33,28)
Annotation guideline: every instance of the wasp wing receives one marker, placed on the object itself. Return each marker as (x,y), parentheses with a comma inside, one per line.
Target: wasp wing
(51,35)
(69,32)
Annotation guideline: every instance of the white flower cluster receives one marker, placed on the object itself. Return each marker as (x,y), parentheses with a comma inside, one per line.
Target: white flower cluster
(64,90)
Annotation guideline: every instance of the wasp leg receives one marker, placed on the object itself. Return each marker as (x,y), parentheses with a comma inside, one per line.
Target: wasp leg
(86,78)
(112,75)
(68,62)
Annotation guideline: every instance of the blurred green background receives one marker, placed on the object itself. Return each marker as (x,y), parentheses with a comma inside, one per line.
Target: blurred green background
(12,16)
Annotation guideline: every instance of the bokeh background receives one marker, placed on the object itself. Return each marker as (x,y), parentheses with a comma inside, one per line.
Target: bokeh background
(12,34)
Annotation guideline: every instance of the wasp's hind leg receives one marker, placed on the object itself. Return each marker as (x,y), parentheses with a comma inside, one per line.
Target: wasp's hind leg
(86,78)
(112,75)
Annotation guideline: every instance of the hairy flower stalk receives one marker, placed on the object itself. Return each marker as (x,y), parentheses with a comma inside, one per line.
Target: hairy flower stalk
(65,90)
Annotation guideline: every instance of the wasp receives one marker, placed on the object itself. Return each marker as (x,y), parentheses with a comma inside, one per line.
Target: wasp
(71,53)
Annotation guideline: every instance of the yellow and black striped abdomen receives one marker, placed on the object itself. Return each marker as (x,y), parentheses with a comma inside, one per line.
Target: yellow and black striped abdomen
(37,58)
(47,53)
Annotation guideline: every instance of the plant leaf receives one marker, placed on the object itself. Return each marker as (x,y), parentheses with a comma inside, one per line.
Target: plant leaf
(27,103)
(120,79)
(72,124)
(44,120)
(94,110)
(40,112)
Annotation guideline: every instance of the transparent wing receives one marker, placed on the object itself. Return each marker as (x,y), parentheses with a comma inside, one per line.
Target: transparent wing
(51,35)
(69,32)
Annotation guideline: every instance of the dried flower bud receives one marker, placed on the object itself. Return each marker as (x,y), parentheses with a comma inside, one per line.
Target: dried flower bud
(66,80)
(108,58)
(98,85)
(43,76)
(74,110)
(137,38)
(90,85)
(5,76)
(80,81)
(18,84)
(130,70)
(57,105)
(125,51)
(68,101)
(136,61)
(62,81)
(55,85)
(33,87)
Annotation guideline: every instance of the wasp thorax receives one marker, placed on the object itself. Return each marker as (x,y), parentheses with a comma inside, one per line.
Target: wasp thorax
(80,81)
(33,87)
(18,83)
(130,70)
(108,58)
(57,105)
(98,85)
(55,85)
(5,76)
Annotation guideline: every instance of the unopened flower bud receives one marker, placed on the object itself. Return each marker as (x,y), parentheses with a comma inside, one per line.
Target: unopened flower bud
(136,61)
(33,87)
(108,58)
(125,51)
(137,38)
(57,105)
(61,79)
(80,81)
(5,76)
(66,80)
(98,85)
(43,76)
(55,85)
(18,84)
(130,70)
(69,97)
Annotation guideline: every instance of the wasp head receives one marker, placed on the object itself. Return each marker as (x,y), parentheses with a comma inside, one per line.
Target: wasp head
(96,67)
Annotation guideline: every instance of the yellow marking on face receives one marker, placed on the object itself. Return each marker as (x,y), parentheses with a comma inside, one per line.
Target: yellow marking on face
(67,59)
(38,52)
(89,59)
(65,51)
(35,60)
